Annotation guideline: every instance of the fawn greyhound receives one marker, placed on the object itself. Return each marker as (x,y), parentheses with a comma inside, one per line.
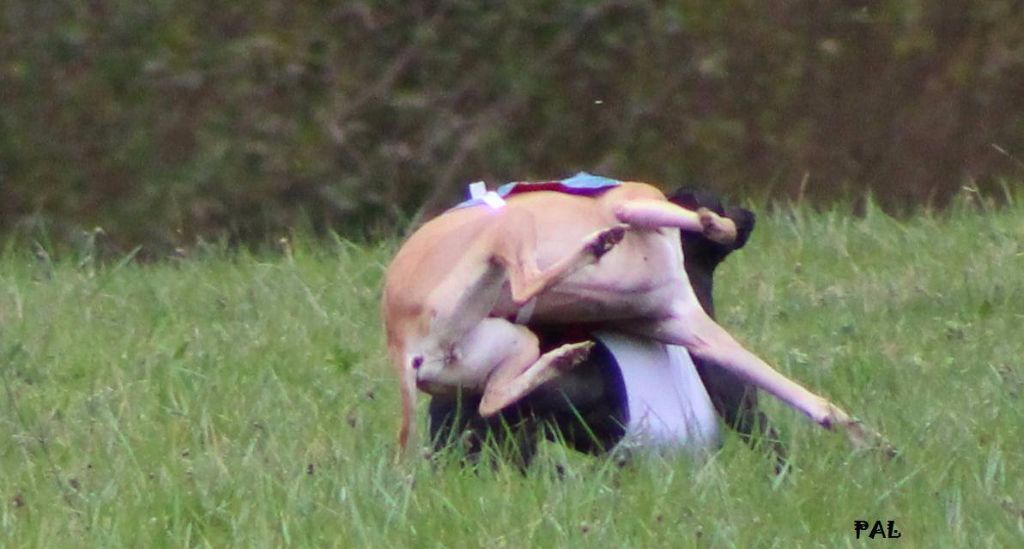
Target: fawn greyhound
(593,408)
(613,258)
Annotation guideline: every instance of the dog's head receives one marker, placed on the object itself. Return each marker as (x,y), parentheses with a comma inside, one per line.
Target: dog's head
(700,251)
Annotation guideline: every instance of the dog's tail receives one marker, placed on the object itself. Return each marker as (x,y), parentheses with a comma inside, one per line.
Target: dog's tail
(403,366)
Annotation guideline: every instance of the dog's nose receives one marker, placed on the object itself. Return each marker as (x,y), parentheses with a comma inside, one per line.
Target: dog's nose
(417,362)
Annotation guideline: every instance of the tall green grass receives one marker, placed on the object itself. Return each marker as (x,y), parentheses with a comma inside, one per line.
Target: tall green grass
(243,399)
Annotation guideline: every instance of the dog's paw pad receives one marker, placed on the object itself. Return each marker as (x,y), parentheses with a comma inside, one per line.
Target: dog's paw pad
(603,241)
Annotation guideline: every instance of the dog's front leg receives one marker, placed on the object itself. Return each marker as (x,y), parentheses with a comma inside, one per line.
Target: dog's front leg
(692,328)
(647,213)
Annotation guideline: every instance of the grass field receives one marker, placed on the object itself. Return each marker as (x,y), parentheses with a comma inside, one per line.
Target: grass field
(240,399)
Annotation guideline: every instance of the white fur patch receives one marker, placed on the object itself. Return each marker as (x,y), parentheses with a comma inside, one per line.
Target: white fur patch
(669,408)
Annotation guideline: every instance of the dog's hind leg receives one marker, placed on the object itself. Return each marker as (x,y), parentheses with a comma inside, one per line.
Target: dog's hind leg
(456,314)
(516,251)
(503,360)
(507,386)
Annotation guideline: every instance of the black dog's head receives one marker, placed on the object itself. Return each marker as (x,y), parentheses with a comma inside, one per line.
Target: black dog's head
(703,255)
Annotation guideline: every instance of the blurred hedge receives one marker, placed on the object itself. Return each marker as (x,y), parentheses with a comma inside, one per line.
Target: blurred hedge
(166,120)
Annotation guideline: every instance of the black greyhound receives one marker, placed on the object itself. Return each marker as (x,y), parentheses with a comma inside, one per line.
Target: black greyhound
(587,408)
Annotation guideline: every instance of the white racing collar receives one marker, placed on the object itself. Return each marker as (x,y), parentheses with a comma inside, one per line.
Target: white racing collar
(478,190)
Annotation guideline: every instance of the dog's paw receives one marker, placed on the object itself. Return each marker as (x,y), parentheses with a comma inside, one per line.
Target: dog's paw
(715,227)
(865,438)
(604,240)
(502,393)
(571,355)
(861,436)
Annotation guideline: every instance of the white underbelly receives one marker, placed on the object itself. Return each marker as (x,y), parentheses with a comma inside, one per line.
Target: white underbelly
(668,406)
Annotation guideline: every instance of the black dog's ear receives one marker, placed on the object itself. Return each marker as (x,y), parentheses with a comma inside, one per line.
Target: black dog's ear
(692,199)
(744,220)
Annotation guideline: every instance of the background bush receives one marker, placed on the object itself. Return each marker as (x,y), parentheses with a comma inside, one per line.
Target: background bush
(163,121)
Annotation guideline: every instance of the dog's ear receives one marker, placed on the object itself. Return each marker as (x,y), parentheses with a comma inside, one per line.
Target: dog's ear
(744,220)
(692,199)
